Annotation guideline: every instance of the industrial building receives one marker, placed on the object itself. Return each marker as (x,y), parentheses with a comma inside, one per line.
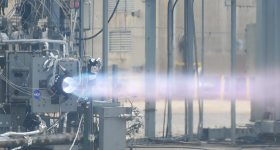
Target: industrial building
(139,74)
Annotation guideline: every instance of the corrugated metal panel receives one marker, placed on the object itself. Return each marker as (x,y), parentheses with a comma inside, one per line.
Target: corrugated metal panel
(120,41)
(125,6)
(129,5)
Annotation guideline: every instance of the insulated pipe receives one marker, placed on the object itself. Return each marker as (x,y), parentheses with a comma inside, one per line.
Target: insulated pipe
(19,98)
(47,45)
(52,139)
(65,123)
(42,128)
(20,69)
(20,133)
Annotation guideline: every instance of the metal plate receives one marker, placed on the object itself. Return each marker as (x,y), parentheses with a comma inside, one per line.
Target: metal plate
(5,120)
(43,102)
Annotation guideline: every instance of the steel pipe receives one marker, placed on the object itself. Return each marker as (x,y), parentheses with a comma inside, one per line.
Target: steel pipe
(20,69)
(52,139)
(33,41)
(233,71)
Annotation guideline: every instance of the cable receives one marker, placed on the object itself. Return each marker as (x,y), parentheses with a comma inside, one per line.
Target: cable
(174,5)
(57,17)
(127,99)
(77,132)
(169,3)
(50,17)
(37,11)
(199,130)
(20,88)
(101,29)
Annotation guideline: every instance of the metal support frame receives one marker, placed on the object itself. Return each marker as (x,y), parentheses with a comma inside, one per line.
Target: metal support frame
(92,27)
(169,72)
(90,120)
(202,73)
(105,43)
(150,67)
(190,73)
(86,127)
(185,61)
(92,82)
(233,71)
(112,129)
(81,34)
(277,60)
(54,12)
(115,84)
(258,103)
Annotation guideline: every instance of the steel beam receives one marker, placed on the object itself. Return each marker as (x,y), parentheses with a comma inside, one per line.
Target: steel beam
(169,72)
(115,84)
(150,67)
(277,60)
(185,61)
(190,73)
(258,102)
(81,34)
(92,27)
(233,71)
(201,94)
(105,43)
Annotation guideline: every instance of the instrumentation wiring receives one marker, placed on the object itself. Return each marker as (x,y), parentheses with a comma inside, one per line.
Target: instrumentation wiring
(88,38)
(19,88)
(56,17)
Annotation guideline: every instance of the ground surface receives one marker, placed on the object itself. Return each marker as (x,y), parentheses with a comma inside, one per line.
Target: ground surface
(205,146)
(216,115)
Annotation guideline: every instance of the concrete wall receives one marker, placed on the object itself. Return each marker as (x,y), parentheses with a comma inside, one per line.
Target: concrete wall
(217,35)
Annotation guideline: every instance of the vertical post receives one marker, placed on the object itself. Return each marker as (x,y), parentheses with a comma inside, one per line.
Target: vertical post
(105,43)
(90,122)
(277,60)
(150,67)
(202,70)
(185,61)
(174,36)
(92,27)
(54,12)
(233,70)
(92,83)
(86,119)
(81,51)
(81,42)
(169,72)
(258,103)
(190,74)
(115,84)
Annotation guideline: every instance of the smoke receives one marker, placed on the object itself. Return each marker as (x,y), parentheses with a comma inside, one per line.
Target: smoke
(134,86)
